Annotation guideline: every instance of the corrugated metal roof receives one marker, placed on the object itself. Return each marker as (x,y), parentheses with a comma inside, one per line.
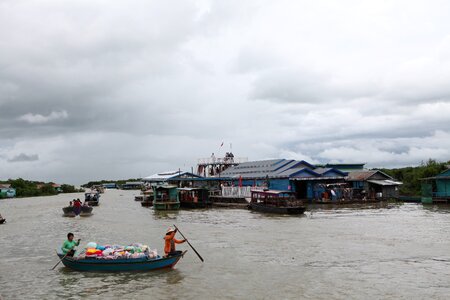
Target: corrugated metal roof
(385,182)
(316,178)
(364,175)
(359,175)
(322,170)
(164,176)
(255,168)
(291,172)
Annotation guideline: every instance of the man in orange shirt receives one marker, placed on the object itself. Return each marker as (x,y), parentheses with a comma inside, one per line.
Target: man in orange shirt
(170,241)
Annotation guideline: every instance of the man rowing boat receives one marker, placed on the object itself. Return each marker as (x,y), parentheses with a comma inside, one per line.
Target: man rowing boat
(170,241)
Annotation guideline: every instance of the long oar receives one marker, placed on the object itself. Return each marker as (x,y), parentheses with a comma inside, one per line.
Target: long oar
(60,260)
(64,257)
(199,256)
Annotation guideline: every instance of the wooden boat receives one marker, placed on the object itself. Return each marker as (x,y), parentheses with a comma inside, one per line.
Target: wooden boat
(120,265)
(194,198)
(147,203)
(70,212)
(165,197)
(92,198)
(146,198)
(278,202)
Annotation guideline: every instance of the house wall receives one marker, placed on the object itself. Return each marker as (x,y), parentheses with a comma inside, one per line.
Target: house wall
(390,192)
(279,184)
(9,192)
(442,187)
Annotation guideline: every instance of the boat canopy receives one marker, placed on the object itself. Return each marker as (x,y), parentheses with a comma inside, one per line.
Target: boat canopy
(272,192)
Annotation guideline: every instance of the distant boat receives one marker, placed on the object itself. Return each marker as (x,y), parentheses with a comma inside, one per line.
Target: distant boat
(273,201)
(120,265)
(92,198)
(165,197)
(70,212)
(2,220)
(194,198)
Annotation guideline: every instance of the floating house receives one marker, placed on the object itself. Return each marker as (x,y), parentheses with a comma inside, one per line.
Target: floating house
(194,197)
(165,197)
(6,191)
(436,189)
(132,185)
(57,187)
(373,184)
(111,185)
(300,177)
(170,177)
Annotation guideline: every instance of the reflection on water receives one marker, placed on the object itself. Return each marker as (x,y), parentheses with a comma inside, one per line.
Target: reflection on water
(165,215)
(364,251)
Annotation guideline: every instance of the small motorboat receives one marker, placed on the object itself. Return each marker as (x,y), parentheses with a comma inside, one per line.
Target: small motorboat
(71,211)
(120,265)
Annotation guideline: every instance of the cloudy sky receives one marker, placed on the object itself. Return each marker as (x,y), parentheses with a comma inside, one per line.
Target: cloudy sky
(105,89)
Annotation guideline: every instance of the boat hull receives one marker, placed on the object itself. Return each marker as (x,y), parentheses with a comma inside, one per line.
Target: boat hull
(195,204)
(290,210)
(69,211)
(166,205)
(147,203)
(120,265)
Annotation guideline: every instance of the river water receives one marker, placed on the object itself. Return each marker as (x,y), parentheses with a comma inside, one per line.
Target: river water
(359,252)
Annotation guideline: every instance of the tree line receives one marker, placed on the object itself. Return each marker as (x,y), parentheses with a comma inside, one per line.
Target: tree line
(28,188)
(410,176)
(117,182)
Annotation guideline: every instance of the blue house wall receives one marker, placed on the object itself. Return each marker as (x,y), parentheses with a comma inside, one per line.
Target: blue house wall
(443,184)
(8,192)
(279,184)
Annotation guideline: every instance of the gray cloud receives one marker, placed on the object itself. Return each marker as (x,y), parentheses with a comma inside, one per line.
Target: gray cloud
(24,157)
(116,91)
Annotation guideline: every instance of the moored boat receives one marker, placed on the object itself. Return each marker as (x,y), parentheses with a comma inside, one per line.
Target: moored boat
(146,198)
(147,203)
(165,197)
(120,265)
(194,198)
(278,202)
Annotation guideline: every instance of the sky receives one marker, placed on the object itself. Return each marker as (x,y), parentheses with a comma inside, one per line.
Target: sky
(104,89)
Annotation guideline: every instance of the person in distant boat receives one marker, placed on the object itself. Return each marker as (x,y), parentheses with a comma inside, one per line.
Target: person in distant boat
(170,241)
(69,245)
(77,206)
(70,203)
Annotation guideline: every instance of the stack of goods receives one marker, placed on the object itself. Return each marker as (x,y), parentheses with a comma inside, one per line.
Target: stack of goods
(136,250)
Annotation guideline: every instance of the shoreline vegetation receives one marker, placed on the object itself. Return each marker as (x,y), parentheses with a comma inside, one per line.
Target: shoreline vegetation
(117,182)
(28,188)
(410,176)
